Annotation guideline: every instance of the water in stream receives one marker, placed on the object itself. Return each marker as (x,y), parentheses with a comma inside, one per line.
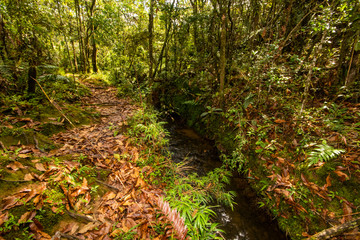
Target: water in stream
(246,221)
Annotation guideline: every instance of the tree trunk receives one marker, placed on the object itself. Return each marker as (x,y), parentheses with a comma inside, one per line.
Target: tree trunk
(65,37)
(353,70)
(93,42)
(75,61)
(80,35)
(313,64)
(151,26)
(93,57)
(168,26)
(3,48)
(194,4)
(31,79)
(222,54)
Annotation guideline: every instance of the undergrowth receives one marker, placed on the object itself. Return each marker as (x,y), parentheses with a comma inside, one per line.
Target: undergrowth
(191,195)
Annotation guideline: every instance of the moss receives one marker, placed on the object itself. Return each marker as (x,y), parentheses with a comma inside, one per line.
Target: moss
(48,219)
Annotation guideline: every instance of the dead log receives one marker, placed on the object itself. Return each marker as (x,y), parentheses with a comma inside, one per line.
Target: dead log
(336,230)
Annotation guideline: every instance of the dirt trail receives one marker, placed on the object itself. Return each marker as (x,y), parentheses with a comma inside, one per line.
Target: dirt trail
(103,193)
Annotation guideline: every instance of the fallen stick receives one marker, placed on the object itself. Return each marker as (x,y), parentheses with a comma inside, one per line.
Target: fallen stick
(63,114)
(80,216)
(336,230)
(20,181)
(108,185)
(58,235)
(3,146)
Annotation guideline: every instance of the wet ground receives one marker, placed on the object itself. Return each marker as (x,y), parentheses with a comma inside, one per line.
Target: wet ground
(246,221)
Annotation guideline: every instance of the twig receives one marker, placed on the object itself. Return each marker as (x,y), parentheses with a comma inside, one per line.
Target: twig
(59,235)
(62,113)
(108,185)
(53,103)
(80,217)
(336,230)
(4,180)
(3,146)
(350,214)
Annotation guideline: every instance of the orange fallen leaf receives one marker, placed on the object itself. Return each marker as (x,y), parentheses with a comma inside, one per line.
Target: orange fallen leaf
(15,166)
(40,167)
(279,121)
(10,202)
(27,216)
(28,177)
(88,227)
(4,217)
(343,176)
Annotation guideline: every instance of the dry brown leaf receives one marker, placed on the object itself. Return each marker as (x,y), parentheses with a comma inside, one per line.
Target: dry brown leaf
(279,121)
(74,228)
(140,182)
(40,167)
(15,166)
(343,176)
(88,227)
(110,195)
(4,217)
(347,211)
(28,177)
(27,216)
(10,202)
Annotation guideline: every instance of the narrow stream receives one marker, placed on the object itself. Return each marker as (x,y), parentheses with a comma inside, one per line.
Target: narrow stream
(246,221)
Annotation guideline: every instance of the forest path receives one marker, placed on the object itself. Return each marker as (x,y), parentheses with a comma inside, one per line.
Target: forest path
(92,182)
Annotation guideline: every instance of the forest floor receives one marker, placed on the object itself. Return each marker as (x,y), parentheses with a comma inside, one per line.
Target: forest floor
(88,188)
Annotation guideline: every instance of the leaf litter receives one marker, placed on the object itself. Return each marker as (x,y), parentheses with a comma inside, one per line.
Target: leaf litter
(128,205)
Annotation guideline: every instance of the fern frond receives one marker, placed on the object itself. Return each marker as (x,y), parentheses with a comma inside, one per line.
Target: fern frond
(323,153)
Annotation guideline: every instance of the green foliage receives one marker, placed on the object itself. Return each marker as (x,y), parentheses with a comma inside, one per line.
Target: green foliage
(128,235)
(147,130)
(191,195)
(323,153)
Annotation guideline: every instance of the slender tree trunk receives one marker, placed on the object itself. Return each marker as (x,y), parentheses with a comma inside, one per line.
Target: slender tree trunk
(74,52)
(194,4)
(222,54)
(313,64)
(31,78)
(80,35)
(65,37)
(93,57)
(93,42)
(3,47)
(353,69)
(167,34)
(151,26)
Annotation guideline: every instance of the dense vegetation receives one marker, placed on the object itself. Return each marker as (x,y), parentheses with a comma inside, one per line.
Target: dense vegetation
(274,83)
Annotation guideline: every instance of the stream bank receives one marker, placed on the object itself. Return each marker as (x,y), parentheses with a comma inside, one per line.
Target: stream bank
(246,221)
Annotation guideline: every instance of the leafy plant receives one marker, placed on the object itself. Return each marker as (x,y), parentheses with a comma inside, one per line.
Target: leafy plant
(322,153)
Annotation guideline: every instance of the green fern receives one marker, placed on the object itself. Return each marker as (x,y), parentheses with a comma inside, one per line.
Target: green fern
(323,153)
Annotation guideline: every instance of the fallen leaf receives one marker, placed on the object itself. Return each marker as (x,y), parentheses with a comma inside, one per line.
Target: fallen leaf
(343,176)
(279,121)
(28,177)
(15,166)
(40,167)
(21,155)
(10,202)
(347,211)
(27,216)
(88,227)
(4,217)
